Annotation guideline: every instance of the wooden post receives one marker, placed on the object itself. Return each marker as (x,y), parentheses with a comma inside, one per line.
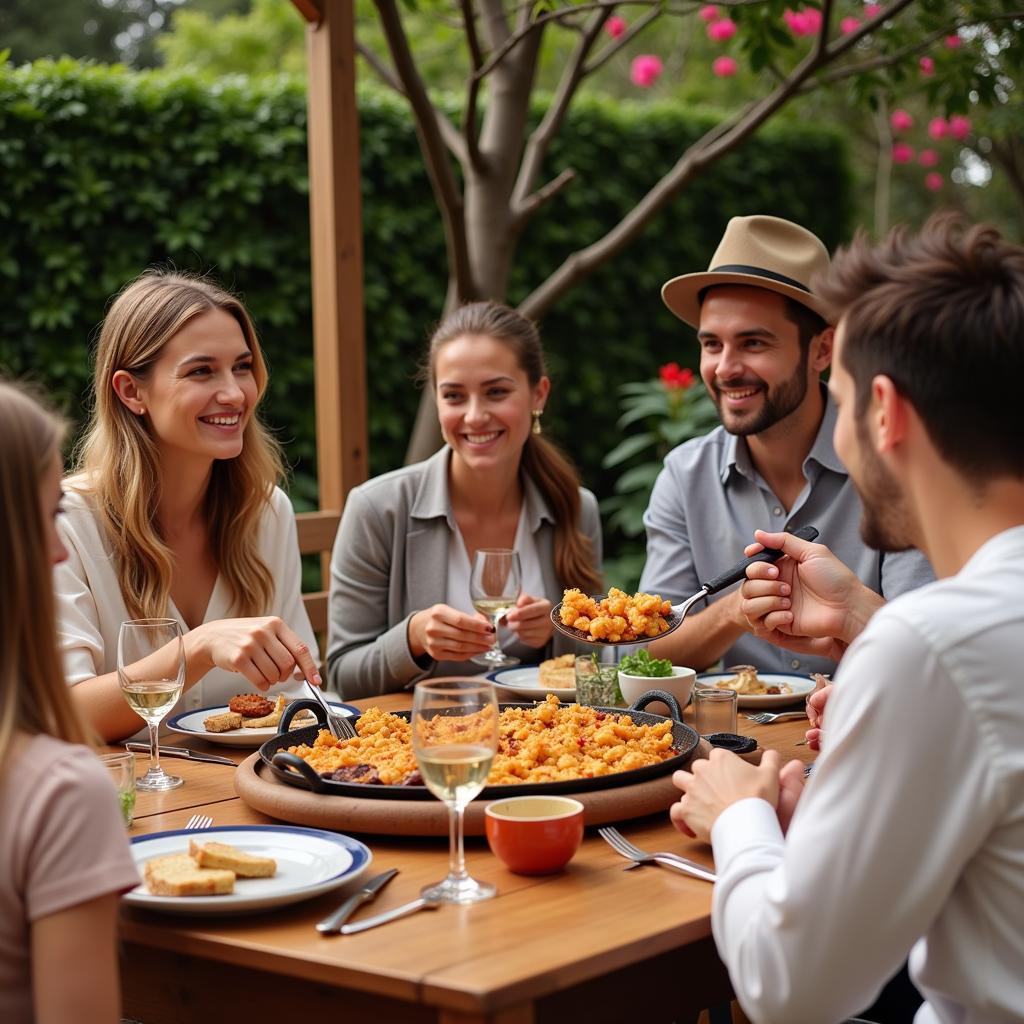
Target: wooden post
(339,346)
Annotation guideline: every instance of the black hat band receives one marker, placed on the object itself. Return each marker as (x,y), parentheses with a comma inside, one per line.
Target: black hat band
(742,268)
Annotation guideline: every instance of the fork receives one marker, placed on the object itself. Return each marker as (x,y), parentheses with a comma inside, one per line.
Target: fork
(198,822)
(341,728)
(621,845)
(766,717)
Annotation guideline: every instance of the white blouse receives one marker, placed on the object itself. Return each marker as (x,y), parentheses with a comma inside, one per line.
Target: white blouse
(90,608)
(459,571)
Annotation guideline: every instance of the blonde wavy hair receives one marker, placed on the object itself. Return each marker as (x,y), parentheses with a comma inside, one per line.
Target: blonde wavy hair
(119,465)
(34,697)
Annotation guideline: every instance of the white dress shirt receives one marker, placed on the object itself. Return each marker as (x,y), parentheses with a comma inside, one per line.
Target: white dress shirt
(90,608)
(911,830)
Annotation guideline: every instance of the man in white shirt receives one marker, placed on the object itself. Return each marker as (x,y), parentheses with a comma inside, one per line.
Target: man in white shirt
(911,830)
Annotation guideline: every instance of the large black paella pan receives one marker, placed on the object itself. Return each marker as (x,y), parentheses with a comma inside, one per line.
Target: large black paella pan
(290,768)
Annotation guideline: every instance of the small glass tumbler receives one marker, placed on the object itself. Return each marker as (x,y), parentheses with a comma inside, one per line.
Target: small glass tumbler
(714,710)
(597,682)
(121,767)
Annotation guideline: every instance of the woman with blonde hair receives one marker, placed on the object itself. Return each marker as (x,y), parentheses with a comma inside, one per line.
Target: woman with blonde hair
(400,605)
(64,858)
(174,509)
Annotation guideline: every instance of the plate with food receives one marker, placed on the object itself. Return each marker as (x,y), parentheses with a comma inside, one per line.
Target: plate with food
(543,747)
(621,618)
(246,721)
(759,689)
(241,868)
(556,675)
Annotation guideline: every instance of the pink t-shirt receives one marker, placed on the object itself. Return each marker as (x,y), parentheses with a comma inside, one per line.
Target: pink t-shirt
(62,842)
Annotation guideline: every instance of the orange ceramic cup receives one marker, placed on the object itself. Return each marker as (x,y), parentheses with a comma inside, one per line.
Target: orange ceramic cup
(534,835)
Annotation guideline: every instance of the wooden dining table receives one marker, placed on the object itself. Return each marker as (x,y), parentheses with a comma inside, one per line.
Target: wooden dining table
(594,942)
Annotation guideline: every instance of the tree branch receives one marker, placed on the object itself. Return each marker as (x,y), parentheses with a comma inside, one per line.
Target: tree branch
(523,211)
(541,136)
(717,142)
(469,131)
(452,139)
(432,146)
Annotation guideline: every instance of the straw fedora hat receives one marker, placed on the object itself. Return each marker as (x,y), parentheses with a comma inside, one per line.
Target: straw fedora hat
(763,252)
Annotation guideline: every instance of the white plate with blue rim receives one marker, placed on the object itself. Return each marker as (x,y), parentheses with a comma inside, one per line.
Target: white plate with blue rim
(524,680)
(190,723)
(310,861)
(795,688)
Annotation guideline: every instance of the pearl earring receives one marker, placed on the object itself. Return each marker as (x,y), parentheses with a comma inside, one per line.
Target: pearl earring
(537,413)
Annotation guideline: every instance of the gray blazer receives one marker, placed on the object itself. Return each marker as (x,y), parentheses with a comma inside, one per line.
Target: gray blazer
(390,560)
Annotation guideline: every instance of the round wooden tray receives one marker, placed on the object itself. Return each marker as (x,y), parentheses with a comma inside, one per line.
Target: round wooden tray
(263,792)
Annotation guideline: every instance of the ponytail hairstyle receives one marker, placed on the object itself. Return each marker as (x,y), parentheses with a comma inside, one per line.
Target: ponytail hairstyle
(34,698)
(119,459)
(551,471)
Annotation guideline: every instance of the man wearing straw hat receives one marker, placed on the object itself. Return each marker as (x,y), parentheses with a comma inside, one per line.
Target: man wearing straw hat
(910,833)
(764,342)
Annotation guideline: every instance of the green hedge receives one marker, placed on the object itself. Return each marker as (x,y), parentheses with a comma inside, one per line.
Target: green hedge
(106,171)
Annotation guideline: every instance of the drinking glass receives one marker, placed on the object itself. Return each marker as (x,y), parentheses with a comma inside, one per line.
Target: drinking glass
(121,767)
(454,738)
(714,710)
(150,694)
(597,681)
(494,587)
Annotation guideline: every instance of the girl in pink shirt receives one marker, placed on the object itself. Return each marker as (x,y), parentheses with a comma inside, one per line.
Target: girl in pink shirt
(64,857)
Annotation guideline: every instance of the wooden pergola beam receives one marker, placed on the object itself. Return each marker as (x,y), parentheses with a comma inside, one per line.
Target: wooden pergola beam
(336,241)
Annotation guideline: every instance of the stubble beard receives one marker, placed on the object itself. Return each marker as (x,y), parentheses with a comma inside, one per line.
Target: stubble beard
(885,523)
(778,404)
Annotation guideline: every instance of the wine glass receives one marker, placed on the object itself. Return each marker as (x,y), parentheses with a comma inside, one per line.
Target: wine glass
(454,738)
(151,684)
(494,586)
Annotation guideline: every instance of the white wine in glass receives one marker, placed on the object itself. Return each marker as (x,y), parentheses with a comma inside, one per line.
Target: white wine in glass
(454,737)
(494,588)
(151,679)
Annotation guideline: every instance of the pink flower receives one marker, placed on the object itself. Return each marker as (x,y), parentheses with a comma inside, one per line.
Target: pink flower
(871,10)
(933,181)
(805,22)
(722,30)
(959,127)
(927,66)
(724,67)
(848,25)
(902,153)
(927,158)
(615,26)
(709,12)
(645,70)
(901,121)
(954,42)
(937,128)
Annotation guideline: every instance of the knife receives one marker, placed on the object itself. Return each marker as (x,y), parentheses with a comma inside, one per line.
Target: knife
(192,755)
(333,922)
(423,903)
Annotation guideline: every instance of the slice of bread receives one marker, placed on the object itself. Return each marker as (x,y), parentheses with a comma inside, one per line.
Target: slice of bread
(223,722)
(558,672)
(221,855)
(178,875)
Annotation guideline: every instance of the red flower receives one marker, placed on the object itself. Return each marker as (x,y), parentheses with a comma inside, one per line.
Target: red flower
(675,377)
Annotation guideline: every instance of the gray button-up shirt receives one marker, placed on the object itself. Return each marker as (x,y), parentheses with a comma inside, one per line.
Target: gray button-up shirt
(709,499)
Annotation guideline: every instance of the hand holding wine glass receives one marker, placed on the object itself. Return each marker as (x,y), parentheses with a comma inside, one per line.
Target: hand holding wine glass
(150,694)
(494,587)
(454,738)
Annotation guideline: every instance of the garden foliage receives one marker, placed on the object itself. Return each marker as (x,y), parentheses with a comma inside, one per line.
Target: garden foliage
(106,171)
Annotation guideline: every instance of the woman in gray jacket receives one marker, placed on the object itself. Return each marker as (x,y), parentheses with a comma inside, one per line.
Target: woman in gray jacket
(400,608)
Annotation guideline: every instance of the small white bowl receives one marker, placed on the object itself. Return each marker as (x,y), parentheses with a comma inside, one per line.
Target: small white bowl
(679,684)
